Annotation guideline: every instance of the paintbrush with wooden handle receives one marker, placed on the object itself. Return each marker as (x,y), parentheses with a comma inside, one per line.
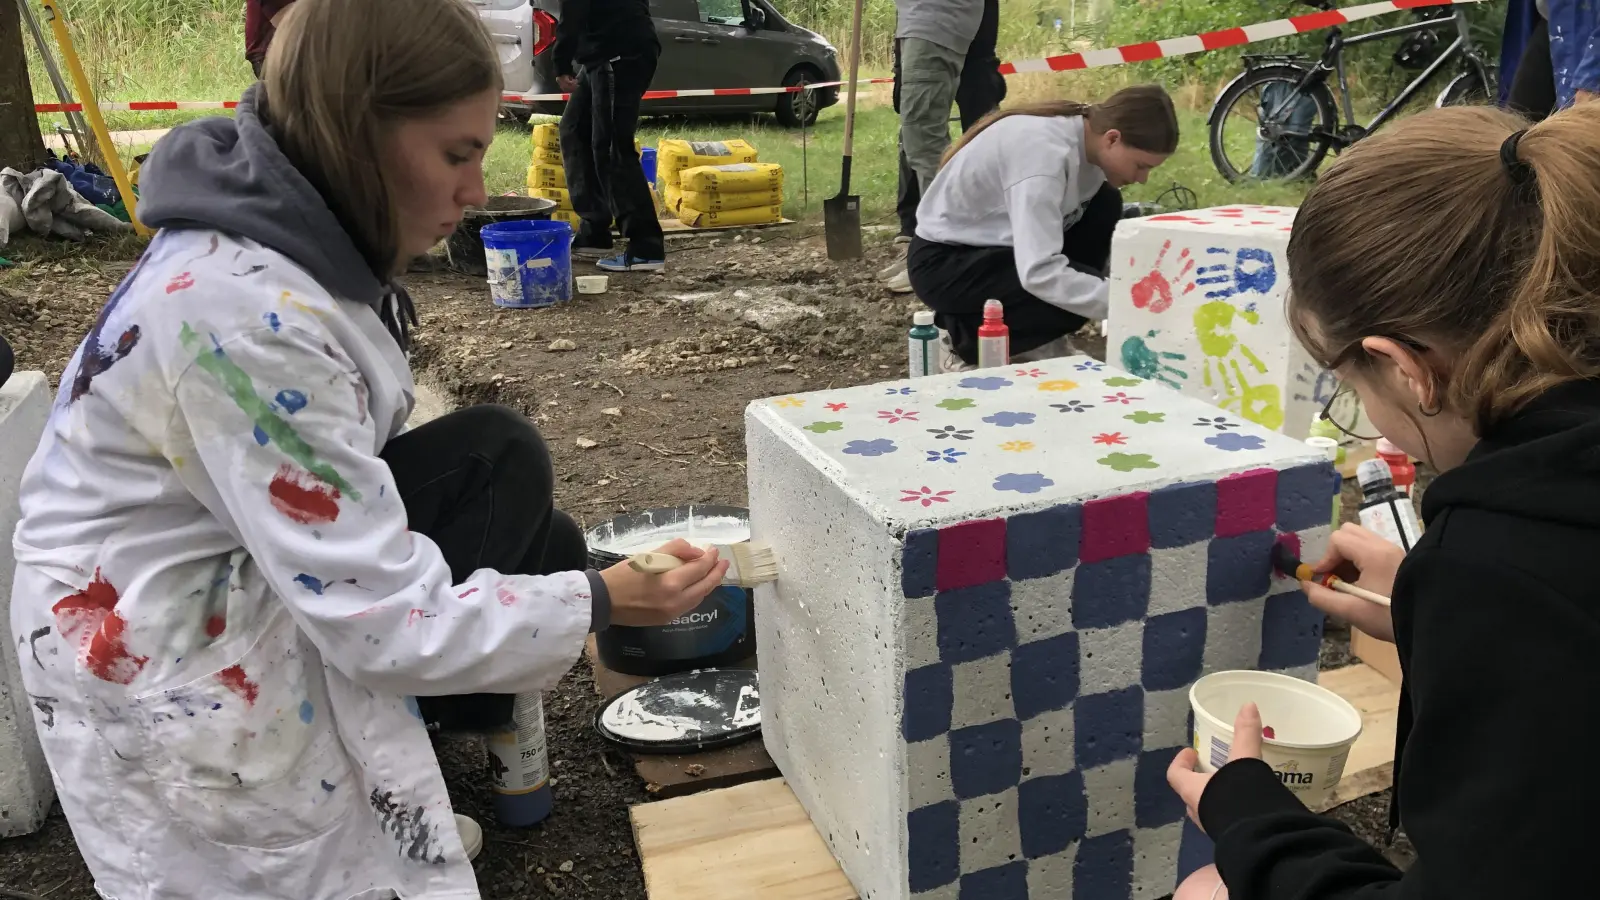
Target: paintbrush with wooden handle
(1290,567)
(749,563)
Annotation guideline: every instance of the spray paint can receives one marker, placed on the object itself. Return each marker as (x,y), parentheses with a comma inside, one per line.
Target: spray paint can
(923,338)
(1385,510)
(994,338)
(1330,448)
(522,794)
(1401,468)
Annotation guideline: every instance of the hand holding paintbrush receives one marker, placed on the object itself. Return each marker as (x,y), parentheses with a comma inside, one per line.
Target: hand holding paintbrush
(1290,567)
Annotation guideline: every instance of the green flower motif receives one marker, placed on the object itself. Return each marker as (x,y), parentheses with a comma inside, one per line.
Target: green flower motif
(1145,417)
(1127,462)
(824,427)
(1123,382)
(957,403)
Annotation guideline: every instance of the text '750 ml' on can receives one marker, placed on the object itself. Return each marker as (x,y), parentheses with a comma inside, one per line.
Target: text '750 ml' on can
(521,764)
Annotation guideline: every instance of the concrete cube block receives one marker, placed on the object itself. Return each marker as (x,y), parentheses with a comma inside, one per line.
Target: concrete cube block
(997,587)
(26,791)
(1197,302)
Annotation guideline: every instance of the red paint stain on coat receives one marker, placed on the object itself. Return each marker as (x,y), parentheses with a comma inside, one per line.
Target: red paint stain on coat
(180,282)
(90,618)
(466,593)
(505,595)
(215,626)
(234,679)
(303,497)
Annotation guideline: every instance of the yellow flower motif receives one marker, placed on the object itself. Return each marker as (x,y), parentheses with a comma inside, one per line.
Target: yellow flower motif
(1017,446)
(789,401)
(1057,385)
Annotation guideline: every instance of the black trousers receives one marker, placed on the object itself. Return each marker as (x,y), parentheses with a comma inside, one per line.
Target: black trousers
(7,361)
(478,482)
(954,281)
(603,173)
(980,92)
(1533,87)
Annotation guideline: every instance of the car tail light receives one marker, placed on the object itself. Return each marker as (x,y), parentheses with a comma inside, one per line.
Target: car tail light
(544,31)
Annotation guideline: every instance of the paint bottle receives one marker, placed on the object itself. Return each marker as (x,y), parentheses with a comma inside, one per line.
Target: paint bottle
(1385,510)
(1330,448)
(522,794)
(994,338)
(1326,429)
(924,338)
(1401,469)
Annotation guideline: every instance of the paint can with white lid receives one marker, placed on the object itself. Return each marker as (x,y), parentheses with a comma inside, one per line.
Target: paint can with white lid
(719,632)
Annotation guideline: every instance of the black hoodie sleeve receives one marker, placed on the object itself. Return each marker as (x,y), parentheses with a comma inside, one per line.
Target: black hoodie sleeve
(569,34)
(1498,792)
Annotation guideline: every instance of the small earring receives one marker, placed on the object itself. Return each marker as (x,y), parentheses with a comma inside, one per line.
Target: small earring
(1426,412)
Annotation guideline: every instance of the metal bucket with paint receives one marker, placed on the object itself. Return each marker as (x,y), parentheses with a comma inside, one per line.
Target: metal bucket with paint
(719,632)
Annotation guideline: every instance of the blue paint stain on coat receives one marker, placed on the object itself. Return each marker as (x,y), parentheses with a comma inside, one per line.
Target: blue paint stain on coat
(260,436)
(307,711)
(291,400)
(272,320)
(309,582)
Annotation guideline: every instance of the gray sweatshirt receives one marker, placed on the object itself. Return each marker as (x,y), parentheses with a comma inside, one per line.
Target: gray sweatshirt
(1020,184)
(948,23)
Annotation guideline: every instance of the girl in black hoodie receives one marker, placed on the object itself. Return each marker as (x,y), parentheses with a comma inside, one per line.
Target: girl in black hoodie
(1447,270)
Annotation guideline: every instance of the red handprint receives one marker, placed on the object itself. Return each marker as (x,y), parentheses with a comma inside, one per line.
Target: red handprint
(1154,290)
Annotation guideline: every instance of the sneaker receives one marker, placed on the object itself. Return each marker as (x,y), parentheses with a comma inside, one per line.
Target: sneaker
(471,836)
(893,270)
(899,284)
(902,239)
(626,263)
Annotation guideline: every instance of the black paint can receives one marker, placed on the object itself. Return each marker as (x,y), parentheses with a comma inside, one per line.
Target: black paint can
(719,632)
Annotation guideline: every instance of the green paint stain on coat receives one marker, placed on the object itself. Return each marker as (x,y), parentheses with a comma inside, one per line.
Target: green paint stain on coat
(236,382)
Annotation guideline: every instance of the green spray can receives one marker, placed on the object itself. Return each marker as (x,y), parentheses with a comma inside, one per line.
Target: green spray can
(923,339)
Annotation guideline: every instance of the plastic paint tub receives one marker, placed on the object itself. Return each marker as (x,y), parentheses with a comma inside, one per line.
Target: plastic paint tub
(530,263)
(718,633)
(592,284)
(647,162)
(1312,727)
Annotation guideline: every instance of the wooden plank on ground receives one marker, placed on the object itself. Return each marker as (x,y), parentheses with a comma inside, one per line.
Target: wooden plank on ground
(740,843)
(1370,767)
(674,775)
(673,226)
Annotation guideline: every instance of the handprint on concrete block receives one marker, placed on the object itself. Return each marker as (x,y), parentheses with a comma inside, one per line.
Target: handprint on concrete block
(1314,385)
(1145,361)
(1154,290)
(1260,403)
(1213,328)
(1250,271)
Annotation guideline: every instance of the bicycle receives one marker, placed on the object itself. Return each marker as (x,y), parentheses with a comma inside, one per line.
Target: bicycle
(1296,121)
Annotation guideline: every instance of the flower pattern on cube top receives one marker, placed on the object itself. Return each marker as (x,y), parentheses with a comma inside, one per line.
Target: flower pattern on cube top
(948,454)
(1076,406)
(1220,423)
(952,433)
(1114,437)
(900,391)
(1120,397)
(1058,384)
(1234,442)
(925,495)
(1029,373)
(897,415)
(1010,419)
(835,407)
(992,383)
(876,447)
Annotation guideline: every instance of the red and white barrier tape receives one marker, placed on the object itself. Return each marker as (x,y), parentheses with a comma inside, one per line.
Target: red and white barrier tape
(1091,59)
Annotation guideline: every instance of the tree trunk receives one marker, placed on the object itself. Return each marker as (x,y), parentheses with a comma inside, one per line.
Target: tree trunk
(21,146)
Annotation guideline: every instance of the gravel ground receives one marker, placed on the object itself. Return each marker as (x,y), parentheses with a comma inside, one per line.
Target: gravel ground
(640,393)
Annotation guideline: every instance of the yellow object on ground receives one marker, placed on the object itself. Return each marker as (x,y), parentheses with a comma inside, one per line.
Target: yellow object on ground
(544,156)
(672,157)
(547,137)
(562,198)
(565,215)
(543,175)
(739,178)
(722,201)
(696,218)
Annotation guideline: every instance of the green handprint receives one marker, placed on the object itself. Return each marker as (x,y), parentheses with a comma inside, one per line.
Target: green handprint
(1259,403)
(1141,359)
(1213,327)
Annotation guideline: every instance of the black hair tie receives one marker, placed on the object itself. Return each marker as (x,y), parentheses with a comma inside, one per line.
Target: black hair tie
(1519,171)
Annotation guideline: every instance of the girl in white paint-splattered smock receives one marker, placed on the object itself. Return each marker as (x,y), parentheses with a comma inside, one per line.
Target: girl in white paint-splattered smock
(236,571)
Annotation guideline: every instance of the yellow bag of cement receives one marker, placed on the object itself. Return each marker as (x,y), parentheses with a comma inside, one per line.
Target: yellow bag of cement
(559,195)
(738,178)
(547,137)
(672,198)
(696,218)
(544,175)
(717,201)
(672,157)
(565,215)
(543,156)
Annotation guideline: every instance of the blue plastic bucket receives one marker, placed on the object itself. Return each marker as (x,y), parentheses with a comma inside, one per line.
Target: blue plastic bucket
(647,161)
(530,263)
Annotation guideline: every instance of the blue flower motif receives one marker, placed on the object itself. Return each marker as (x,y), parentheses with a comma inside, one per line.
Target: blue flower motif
(902,391)
(948,454)
(986,384)
(1090,366)
(1008,419)
(1022,483)
(1233,442)
(871,448)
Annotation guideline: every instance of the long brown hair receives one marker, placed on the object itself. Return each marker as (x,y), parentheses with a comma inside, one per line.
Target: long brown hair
(339,76)
(1142,114)
(1438,233)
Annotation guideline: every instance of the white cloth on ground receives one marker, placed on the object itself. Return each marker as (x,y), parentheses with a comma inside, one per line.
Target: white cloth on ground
(45,203)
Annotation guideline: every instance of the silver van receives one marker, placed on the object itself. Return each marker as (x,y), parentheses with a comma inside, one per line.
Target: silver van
(705,44)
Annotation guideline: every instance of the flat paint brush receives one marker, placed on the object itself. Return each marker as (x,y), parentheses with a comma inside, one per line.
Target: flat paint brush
(749,563)
(1290,567)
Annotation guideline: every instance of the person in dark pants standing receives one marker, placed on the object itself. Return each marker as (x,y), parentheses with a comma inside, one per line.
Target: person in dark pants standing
(260,23)
(612,47)
(1533,85)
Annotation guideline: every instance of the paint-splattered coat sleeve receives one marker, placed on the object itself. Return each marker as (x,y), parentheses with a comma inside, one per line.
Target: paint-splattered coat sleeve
(272,433)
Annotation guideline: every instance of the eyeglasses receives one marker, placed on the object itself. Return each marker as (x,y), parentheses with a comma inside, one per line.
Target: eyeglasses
(1342,391)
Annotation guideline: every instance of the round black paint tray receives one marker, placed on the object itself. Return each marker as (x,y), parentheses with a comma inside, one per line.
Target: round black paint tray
(684,713)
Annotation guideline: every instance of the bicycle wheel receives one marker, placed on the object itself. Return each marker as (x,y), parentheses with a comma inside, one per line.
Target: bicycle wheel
(1466,89)
(1276,130)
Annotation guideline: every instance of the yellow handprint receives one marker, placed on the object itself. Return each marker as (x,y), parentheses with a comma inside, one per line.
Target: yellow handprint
(1213,328)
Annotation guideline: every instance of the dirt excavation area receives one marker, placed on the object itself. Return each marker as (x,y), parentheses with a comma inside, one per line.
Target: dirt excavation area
(640,393)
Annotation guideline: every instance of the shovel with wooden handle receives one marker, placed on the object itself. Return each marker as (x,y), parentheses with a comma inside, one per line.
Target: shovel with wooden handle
(841,215)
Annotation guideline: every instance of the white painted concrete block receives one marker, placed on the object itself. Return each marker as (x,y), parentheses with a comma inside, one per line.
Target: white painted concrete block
(1197,302)
(26,791)
(996,589)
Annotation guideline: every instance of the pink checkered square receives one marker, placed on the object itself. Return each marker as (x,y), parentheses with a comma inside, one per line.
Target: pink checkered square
(1247,502)
(971,553)
(1115,526)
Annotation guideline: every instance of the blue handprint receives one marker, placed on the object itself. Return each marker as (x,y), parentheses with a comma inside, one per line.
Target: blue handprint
(1251,270)
(1144,361)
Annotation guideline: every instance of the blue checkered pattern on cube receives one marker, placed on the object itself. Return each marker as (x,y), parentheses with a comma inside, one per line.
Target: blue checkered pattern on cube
(1049,689)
